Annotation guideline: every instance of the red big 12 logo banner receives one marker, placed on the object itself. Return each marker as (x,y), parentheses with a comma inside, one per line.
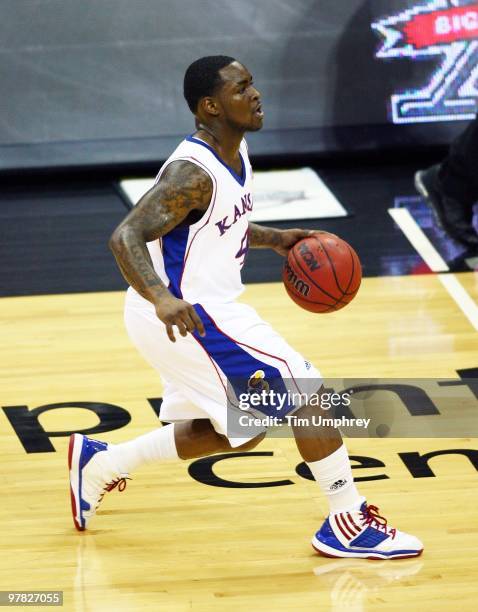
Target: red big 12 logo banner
(445,28)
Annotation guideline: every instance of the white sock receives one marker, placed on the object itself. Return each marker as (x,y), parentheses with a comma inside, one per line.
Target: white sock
(334,476)
(157,445)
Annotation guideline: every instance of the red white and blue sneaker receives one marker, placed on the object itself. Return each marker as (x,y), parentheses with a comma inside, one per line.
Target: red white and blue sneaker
(364,534)
(92,474)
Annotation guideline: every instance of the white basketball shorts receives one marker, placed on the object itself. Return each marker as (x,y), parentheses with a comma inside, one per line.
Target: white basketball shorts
(195,370)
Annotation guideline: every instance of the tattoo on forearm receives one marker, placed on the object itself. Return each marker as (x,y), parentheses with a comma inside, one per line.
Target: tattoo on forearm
(262,237)
(133,263)
(144,264)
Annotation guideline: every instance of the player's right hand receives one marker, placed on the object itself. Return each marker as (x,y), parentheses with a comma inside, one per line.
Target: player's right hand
(173,311)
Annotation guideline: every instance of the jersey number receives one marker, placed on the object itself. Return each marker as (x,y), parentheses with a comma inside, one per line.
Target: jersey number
(242,252)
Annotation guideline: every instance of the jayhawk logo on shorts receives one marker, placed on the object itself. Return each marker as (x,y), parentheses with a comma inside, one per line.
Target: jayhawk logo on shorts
(257,382)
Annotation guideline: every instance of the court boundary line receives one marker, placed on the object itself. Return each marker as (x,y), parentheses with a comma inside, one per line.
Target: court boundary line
(422,245)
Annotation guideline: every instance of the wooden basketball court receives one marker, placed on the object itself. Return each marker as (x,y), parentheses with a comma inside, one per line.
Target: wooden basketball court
(174,542)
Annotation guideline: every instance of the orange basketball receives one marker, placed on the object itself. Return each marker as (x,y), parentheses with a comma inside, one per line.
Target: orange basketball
(322,273)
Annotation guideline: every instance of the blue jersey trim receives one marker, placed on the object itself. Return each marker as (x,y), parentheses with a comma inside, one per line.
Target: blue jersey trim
(174,251)
(238,365)
(240,179)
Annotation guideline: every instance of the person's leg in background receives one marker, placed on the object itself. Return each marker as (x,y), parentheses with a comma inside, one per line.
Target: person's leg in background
(451,187)
(458,171)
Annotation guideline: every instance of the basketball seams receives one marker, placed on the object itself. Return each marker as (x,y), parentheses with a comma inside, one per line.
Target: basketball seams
(329,307)
(331,264)
(309,301)
(354,256)
(351,251)
(347,264)
(353,269)
(332,297)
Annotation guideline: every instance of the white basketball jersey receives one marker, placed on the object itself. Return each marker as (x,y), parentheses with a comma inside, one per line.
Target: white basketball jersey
(202,262)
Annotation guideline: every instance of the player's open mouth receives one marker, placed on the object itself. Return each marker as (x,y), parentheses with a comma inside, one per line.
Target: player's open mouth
(259,112)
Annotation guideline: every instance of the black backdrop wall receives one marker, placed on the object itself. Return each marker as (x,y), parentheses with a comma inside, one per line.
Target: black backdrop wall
(100,81)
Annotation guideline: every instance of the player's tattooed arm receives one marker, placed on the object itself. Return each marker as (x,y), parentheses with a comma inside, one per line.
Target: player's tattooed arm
(183,188)
(281,241)
(261,237)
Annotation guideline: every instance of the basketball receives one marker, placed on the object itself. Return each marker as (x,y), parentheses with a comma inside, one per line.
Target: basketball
(322,273)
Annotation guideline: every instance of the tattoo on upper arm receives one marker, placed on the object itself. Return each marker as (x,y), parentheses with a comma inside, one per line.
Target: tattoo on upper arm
(182,188)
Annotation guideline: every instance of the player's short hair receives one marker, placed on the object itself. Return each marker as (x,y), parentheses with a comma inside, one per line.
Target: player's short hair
(202,78)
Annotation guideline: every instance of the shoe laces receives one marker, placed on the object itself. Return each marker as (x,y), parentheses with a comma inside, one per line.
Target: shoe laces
(119,483)
(371,517)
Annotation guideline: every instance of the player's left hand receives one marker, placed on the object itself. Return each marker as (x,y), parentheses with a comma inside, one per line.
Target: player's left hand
(287,238)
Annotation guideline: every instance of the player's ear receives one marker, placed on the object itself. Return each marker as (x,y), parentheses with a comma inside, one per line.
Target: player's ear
(210,106)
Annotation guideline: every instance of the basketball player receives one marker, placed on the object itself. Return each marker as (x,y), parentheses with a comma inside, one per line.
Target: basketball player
(181,249)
